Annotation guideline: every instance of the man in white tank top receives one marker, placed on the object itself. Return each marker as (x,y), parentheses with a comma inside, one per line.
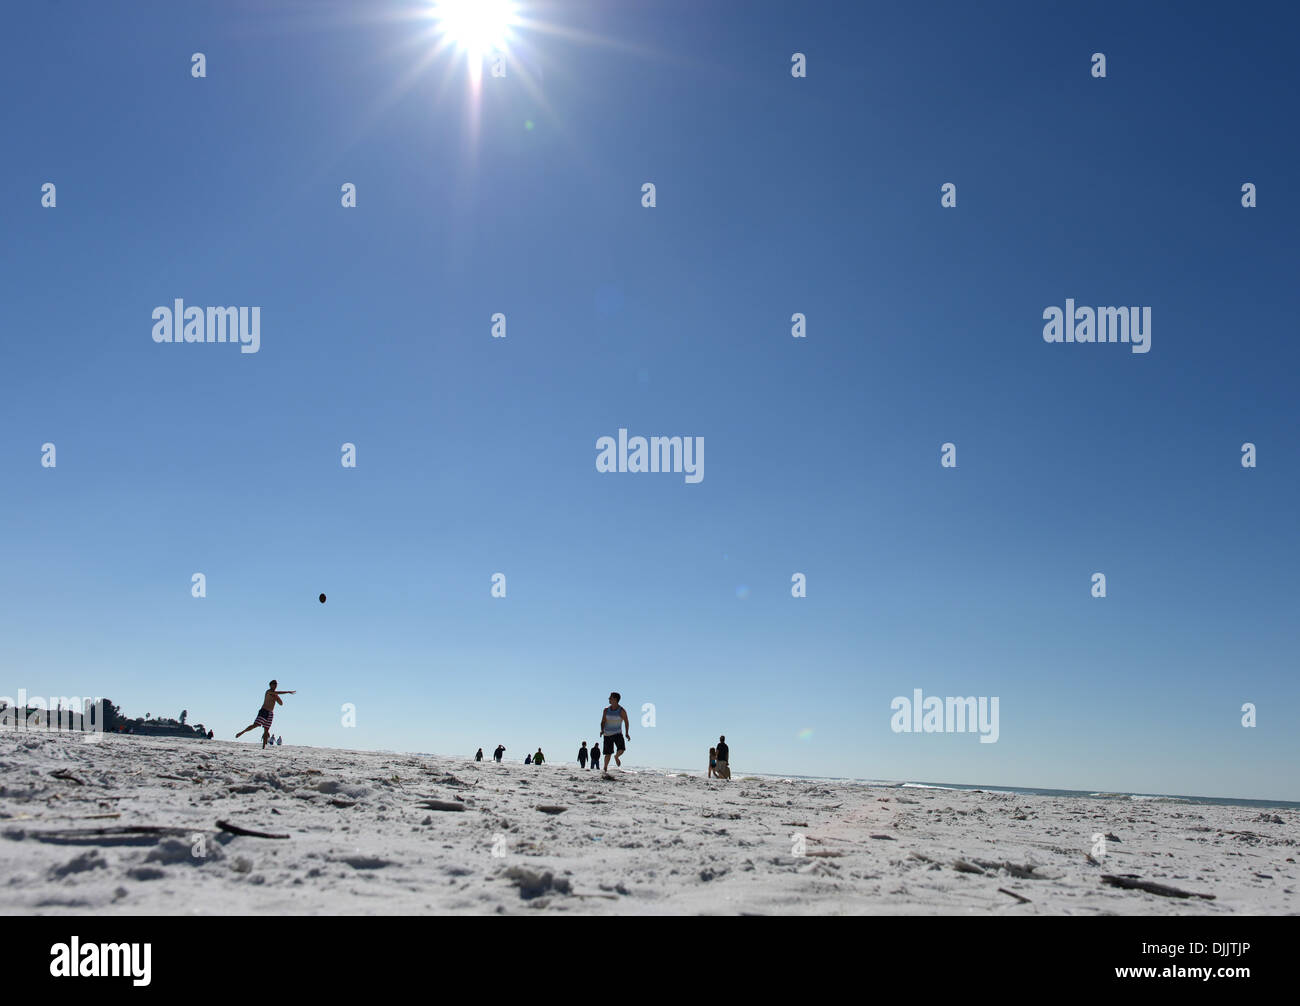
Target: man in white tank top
(613,724)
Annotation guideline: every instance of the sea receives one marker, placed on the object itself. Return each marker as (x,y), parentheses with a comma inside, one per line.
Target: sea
(1011,790)
(1222,801)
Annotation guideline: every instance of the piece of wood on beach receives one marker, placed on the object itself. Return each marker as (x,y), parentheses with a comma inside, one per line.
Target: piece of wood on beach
(547,808)
(67,776)
(1021,871)
(1022,900)
(83,817)
(961,866)
(235,829)
(127,834)
(441,805)
(1165,891)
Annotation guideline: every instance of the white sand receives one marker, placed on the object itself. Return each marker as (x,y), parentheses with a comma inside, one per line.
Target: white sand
(640,843)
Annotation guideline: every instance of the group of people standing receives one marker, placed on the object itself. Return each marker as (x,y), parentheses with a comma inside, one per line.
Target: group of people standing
(613,727)
(532,759)
(616,733)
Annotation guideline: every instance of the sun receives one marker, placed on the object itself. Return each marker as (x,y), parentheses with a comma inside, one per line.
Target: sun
(476,26)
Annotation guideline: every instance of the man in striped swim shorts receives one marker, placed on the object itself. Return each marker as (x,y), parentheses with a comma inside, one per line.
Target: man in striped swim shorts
(266,714)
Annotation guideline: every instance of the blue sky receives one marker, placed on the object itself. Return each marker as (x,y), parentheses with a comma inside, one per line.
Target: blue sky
(477,455)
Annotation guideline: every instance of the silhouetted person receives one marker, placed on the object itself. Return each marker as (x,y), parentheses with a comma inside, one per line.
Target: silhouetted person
(723,768)
(266,714)
(582,755)
(479,755)
(613,723)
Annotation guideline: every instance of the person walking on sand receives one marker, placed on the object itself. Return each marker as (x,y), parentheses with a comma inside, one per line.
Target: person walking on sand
(539,758)
(528,759)
(479,755)
(723,767)
(496,755)
(266,714)
(713,762)
(582,755)
(613,722)
(595,754)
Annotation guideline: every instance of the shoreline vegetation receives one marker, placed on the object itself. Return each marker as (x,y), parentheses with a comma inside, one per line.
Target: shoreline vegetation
(90,716)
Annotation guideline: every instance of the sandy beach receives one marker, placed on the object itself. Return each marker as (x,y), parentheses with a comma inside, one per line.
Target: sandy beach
(375,833)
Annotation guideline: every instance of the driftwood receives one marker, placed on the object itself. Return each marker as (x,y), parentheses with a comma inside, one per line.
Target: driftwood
(66,775)
(1027,871)
(235,829)
(1022,900)
(441,805)
(127,834)
(1135,883)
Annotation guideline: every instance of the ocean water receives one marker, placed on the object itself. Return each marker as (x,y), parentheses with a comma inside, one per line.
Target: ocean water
(1080,793)
(1009,790)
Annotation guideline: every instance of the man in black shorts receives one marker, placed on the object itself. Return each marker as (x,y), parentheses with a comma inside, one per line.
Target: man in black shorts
(613,723)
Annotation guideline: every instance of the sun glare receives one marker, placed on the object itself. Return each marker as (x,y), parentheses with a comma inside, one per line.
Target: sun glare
(476,26)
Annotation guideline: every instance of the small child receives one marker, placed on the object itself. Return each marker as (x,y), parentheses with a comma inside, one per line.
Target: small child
(713,761)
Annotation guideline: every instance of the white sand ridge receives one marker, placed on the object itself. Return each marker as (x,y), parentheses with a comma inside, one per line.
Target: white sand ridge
(377,833)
